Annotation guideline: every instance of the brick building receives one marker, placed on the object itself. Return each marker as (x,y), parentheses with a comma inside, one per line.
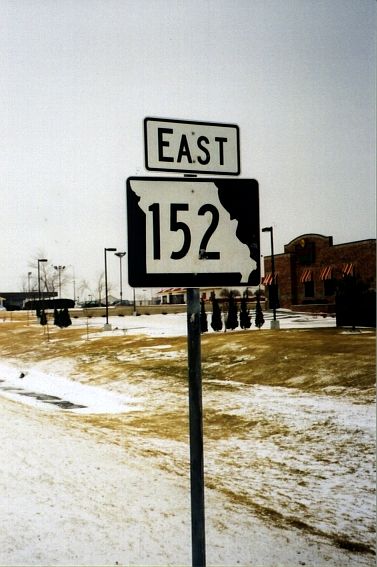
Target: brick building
(308,272)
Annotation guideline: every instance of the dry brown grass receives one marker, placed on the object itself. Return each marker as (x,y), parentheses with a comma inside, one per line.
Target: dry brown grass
(305,359)
(310,360)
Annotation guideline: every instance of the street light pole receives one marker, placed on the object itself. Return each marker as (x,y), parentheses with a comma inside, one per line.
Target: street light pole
(120,256)
(275,324)
(106,299)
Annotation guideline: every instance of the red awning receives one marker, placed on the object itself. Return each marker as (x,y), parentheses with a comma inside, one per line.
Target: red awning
(326,273)
(165,290)
(348,270)
(267,280)
(306,276)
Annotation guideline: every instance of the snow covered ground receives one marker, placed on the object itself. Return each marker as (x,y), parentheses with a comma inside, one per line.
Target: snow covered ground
(75,494)
(175,324)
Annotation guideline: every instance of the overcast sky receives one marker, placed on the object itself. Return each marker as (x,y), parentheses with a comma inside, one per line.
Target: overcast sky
(79,76)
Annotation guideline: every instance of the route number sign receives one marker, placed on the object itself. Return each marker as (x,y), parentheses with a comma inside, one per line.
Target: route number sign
(197,147)
(191,232)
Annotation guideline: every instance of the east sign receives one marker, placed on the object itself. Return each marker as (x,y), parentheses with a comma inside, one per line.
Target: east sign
(187,146)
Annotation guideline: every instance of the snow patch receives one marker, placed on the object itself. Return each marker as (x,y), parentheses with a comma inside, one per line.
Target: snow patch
(37,388)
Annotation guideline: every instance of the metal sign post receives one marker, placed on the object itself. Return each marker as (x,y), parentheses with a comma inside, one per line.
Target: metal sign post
(192,233)
(196,429)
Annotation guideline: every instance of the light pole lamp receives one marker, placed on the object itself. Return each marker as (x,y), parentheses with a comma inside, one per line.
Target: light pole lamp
(120,256)
(106,300)
(273,285)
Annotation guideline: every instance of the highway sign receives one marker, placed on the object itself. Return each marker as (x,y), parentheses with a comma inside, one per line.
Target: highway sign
(188,146)
(191,232)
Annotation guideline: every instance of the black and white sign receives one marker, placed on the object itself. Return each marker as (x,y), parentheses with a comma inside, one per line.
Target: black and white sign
(200,147)
(191,232)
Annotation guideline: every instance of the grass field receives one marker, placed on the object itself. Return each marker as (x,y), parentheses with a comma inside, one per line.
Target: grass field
(310,359)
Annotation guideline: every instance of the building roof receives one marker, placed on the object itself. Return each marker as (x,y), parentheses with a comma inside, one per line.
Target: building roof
(24,294)
(313,235)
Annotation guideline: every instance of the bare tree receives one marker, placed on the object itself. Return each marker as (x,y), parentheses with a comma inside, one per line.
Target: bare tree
(225,292)
(84,287)
(100,290)
(47,275)
(29,283)
(100,286)
(51,276)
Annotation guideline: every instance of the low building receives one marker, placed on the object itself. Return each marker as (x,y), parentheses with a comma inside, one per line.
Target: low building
(308,273)
(172,295)
(15,300)
(178,295)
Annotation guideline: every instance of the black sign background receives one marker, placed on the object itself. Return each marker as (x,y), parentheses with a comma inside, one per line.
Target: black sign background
(240,197)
